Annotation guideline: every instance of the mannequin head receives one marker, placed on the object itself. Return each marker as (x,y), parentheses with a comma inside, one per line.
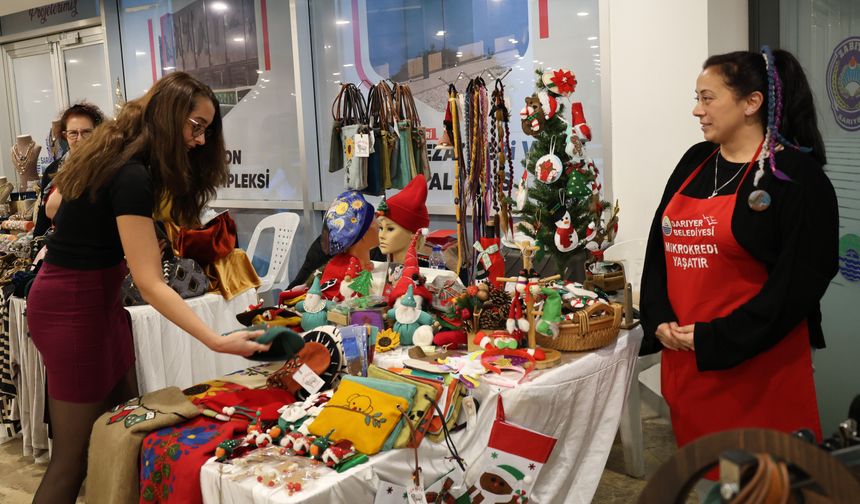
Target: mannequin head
(401,216)
(393,239)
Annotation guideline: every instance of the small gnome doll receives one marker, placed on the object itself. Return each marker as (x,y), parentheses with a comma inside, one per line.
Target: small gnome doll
(409,319)
(517,325)
(549,320)
(411,276)
(314,308)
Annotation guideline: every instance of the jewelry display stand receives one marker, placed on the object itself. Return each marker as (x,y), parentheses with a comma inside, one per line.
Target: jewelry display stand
(25,155)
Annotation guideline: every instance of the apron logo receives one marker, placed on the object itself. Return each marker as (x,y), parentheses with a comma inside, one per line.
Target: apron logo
(849,257)
(667,226)
(843,84)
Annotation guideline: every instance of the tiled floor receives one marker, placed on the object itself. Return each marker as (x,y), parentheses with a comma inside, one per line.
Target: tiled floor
(19,476)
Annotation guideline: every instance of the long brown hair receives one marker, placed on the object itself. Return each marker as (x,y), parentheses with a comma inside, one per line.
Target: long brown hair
(150,128)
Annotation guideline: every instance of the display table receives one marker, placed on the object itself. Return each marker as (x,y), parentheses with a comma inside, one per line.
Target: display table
(165,356)
(579,402)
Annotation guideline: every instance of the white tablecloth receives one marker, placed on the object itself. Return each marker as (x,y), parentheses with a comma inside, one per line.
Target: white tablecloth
(165,355)
(579,402)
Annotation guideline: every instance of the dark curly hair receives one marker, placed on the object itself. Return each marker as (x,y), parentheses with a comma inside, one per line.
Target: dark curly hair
(84,109)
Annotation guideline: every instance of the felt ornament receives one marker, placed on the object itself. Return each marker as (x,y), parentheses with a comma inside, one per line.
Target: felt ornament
(549,167)
(496,340)
(532,116)
(521,194)
(578,186)
(314,308)
(516,324)
(561,82)
(490,264)
(548,103)
(450,338)
(507,470)
(566,238)
(362,283)
(549,320)
(411,275)
(579,127)
(408,317)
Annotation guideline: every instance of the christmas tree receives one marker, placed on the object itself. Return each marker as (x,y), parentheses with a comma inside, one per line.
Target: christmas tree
(563,211)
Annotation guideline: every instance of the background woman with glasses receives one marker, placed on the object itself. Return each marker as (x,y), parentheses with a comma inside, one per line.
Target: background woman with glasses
(76,125)
(156,151)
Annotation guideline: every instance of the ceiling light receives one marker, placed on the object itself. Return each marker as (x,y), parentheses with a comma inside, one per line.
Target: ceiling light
(218,6)
(96,84)
(348,65)
(259,71)
(168,68)
(440,33)
(336,74)
(594,47)
(73,61)
(512,40)
(238,39)
(582,14)
(140,53)
(592,38)
(342,22)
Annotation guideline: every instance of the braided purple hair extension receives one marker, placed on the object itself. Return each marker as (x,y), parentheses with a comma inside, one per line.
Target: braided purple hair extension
(774,119)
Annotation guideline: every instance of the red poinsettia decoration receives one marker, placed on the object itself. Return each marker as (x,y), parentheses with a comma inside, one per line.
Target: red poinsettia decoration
(565,81)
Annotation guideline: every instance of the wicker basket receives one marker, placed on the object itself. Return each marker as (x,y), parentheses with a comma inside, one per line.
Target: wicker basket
(594,327)
(610,282)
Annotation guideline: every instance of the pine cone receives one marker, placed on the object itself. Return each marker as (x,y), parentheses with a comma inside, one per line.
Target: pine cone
(492,319)
(499,298)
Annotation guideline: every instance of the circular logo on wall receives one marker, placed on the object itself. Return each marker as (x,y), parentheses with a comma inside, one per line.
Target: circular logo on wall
(849,257)
(843,83)
(667,226)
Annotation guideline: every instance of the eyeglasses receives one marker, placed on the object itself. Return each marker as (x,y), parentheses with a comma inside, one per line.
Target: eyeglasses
(198,129)
(75,134)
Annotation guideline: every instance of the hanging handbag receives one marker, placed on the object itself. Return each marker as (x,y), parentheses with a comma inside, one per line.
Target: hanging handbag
(182,274)
(406,169)
(387,134)
(508,468)
(376,117)
(419,134)
(335,155)
(355,122)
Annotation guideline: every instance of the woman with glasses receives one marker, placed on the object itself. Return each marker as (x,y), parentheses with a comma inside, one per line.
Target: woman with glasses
(76,125)
(165,147)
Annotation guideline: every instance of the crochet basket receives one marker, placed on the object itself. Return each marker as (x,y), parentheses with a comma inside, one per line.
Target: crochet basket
(594,327)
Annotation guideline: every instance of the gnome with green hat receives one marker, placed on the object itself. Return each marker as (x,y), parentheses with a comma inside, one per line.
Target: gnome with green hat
(408,317)
(549,320)
(314,308)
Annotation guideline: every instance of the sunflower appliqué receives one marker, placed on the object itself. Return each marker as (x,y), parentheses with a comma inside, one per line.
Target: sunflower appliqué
(349,148)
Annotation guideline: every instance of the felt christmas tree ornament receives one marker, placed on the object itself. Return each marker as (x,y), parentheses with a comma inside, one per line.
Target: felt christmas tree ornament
(548,167)
(517,324)
(561,82)
(548,103)
(551,317)
(565,234)
(532,116)
(579,127)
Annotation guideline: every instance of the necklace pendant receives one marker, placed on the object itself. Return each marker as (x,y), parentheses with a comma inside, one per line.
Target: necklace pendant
(759,200)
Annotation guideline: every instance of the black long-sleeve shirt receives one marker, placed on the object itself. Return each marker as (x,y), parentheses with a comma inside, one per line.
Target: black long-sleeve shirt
(797,239)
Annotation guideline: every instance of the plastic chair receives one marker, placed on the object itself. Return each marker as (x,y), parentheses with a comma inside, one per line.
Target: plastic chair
(631,253)
(285,225)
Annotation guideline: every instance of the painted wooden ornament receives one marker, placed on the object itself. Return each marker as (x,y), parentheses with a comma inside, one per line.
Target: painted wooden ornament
(759,200)
(548,168)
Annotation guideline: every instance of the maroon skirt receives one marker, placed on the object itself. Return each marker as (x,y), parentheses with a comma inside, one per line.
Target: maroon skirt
(80,327)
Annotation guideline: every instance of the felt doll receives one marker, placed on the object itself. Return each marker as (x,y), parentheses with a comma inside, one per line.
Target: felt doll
(409,319)
(549,320)
(349,237)
(314,308)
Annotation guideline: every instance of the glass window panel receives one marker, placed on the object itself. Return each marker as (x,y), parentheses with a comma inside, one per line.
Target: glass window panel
(86,76)
(36,100)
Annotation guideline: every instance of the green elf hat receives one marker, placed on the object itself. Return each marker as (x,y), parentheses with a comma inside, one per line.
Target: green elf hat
(408,299)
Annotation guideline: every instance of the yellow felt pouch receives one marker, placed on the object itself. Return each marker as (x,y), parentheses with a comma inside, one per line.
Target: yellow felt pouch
(360,414)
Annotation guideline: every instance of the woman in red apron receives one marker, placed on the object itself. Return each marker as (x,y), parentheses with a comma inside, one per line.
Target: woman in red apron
(741,250)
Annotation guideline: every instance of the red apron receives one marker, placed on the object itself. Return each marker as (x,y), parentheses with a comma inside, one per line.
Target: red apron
(709,275)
